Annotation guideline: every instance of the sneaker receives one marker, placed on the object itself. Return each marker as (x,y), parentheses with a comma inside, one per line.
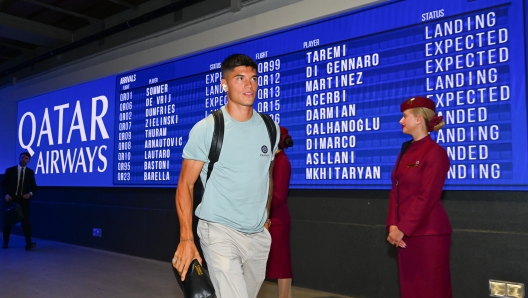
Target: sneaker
(31,245)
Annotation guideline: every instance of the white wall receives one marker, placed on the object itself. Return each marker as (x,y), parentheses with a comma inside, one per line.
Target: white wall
(224,27)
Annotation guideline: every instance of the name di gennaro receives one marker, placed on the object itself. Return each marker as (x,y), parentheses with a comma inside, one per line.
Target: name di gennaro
(83,159)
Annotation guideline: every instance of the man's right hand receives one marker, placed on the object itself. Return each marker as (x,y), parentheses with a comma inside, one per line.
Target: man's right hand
(186,251)
(184,255)
(8,198)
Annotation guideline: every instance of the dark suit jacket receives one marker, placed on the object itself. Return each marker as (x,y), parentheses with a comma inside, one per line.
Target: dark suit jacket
(9,184)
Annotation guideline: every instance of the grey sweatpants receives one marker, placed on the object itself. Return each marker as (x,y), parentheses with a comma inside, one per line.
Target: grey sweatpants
(236,260)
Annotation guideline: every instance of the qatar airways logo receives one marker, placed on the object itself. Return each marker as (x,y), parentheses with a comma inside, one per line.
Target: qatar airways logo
(65,128)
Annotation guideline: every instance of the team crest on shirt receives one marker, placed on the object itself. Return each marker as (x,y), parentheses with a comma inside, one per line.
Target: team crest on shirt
(264,149)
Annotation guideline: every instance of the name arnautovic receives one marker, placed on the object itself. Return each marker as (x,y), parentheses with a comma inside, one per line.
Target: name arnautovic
(164,142)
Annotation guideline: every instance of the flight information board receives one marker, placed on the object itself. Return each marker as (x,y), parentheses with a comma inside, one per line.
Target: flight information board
(337,84)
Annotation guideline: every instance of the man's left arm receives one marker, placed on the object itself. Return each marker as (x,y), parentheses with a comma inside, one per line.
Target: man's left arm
(31,185)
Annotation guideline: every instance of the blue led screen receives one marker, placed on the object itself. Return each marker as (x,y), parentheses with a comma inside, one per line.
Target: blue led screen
(336,84)
(69,134)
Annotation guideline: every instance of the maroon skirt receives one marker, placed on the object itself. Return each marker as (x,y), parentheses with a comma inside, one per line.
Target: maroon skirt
(424,267)
(279,260)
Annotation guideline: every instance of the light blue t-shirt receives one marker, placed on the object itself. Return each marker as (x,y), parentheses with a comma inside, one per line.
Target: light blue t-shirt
(237,190)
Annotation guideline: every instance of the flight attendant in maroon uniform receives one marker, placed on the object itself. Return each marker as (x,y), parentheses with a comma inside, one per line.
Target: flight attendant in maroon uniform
(279,264)
(417,221)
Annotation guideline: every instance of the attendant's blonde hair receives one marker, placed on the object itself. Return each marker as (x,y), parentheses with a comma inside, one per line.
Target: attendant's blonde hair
(427,115)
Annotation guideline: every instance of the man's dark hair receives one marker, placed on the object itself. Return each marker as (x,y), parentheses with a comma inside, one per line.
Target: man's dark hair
(235,61)
(26,154)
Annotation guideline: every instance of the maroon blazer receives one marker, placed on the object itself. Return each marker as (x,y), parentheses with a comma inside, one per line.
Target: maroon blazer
(279,260)
(417,182)
(279,212)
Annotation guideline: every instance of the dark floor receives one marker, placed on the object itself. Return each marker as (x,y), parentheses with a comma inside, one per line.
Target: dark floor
(56,269)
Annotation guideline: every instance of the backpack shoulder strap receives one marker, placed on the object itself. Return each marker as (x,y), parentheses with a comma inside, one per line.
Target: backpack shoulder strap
(216,142)
(272,129)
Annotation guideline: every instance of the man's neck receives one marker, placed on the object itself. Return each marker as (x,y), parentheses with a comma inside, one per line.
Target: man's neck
(239,113)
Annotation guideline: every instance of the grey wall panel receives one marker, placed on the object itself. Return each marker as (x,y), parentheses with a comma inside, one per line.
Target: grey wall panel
(338,237)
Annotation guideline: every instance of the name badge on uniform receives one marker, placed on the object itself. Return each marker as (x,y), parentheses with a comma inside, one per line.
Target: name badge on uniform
(414,165)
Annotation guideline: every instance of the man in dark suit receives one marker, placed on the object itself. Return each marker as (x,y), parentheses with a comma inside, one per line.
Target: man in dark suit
(19,186)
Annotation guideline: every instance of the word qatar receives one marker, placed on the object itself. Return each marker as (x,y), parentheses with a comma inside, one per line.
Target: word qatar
(77,123)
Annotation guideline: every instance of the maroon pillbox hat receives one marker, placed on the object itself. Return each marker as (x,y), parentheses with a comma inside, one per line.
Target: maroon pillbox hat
(418,102)
(283,131)
(285,140)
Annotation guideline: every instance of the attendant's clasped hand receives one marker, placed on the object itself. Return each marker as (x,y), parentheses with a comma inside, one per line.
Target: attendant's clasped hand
(395,237)
(267,224)
(184,255)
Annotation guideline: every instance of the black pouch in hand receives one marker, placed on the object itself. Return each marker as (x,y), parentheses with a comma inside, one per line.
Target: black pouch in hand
(197,283)
(13,214)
